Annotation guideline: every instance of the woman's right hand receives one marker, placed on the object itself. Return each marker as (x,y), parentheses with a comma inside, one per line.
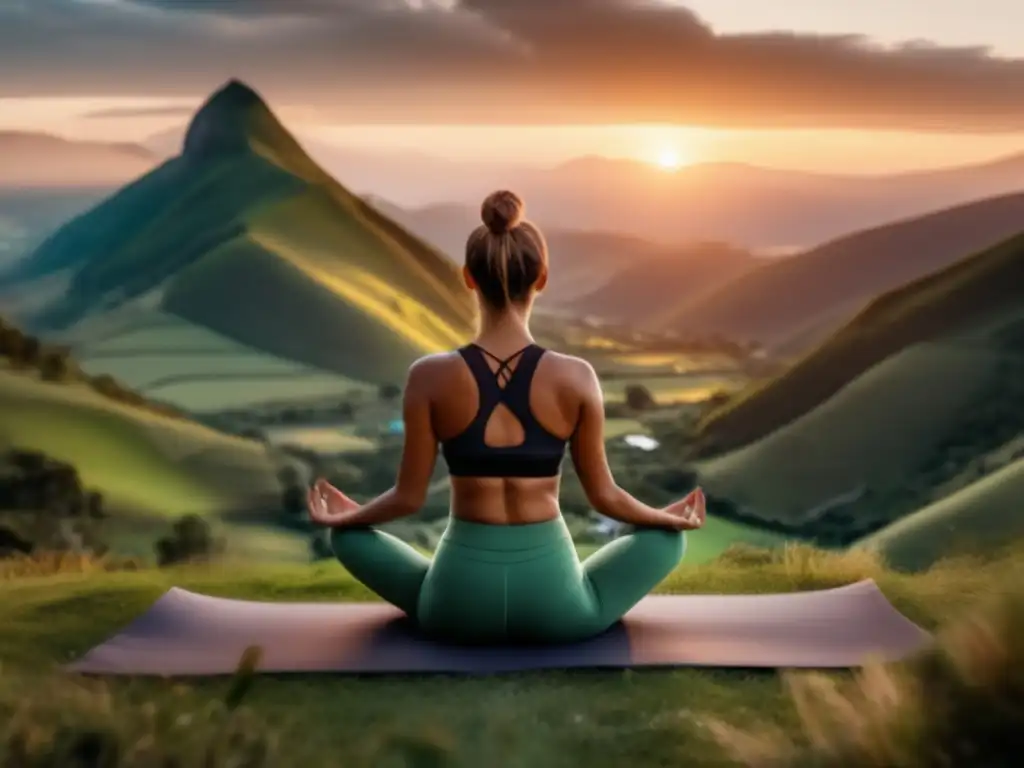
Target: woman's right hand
(688,513)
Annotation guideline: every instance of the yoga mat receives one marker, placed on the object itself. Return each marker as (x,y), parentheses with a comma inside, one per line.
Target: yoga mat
(190,634)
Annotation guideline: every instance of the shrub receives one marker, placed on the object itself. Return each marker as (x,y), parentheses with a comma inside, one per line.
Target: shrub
(389,392)
(45,507)
(639,398)
(48,563)
(55,366)
(191,539)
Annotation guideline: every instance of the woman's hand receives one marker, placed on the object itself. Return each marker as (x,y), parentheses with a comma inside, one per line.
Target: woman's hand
(689,513)
(329,506)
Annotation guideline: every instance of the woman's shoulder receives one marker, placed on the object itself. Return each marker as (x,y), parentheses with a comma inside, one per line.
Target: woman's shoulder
(432,364)
(569,368)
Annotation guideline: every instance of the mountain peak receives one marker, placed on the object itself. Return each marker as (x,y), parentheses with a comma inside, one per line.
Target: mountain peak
(230,121)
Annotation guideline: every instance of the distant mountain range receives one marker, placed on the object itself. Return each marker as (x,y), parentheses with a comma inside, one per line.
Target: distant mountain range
(648,276)
(245,235)
(793,303)
(38,160)
(760,209)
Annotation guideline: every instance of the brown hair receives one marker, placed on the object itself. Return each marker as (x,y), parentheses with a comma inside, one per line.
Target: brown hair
(507,254)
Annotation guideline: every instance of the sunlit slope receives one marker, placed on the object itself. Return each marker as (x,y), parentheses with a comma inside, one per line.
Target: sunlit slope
(246,235)
(961,301)
(982,517)
(143,463)
(873,433)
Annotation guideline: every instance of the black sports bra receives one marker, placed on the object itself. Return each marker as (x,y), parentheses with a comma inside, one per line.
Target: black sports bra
(539,455)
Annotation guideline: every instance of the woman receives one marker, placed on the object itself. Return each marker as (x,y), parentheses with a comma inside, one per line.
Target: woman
(502,410)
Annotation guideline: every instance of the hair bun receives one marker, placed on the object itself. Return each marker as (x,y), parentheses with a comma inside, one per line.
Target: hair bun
(502,211)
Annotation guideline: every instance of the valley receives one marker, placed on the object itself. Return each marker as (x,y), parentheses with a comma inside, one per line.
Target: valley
(271,315)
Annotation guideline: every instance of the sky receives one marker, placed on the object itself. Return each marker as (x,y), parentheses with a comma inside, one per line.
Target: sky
(830,85)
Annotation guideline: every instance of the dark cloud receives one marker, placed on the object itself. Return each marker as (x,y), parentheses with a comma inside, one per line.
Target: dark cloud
(501,61)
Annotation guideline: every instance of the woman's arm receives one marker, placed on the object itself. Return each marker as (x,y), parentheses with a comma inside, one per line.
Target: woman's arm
(588,455)
(419,454)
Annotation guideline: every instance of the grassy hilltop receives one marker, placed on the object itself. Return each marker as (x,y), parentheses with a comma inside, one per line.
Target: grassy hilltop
(685,717)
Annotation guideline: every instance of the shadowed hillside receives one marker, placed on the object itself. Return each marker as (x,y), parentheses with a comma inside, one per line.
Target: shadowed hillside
(979,519)
(809,295)
(244,234)
(611,274)
(969,295)
(646,287)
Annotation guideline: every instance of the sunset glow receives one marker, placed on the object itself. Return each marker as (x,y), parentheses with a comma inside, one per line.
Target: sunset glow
(669,159)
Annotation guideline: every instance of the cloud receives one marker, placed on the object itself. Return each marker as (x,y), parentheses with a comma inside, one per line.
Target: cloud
(502,61)
(122,112)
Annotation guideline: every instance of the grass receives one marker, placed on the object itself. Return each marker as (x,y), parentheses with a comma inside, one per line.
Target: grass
(960,702)
(643,718)
(981,516)
(872,433)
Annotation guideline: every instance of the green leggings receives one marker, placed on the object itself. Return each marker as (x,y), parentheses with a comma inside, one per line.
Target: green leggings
(510,583)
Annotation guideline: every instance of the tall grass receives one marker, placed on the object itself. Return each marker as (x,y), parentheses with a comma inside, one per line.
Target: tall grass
(959,703)
(52,563)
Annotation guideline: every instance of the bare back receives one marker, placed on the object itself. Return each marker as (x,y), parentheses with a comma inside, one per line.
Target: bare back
(555,403)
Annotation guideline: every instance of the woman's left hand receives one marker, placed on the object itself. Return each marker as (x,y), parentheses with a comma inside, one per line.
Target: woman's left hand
(329,506)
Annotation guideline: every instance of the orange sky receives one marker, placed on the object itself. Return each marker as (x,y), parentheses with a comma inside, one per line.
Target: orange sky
(854,151)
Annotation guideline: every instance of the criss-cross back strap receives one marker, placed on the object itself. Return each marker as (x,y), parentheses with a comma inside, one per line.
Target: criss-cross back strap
(491,392)
(504,372)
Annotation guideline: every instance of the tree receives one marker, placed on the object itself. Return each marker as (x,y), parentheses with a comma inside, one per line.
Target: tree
(389,392)
(31,350)
(639,398)
(54,366)
(191,538)
(11,344)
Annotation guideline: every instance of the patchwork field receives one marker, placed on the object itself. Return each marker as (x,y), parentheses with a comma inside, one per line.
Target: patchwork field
(170,359)
(322,439)
(666,390)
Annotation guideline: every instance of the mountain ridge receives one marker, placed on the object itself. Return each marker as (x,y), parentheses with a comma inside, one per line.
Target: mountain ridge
(244,195)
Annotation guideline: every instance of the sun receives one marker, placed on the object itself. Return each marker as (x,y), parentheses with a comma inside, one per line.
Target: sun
(669,160)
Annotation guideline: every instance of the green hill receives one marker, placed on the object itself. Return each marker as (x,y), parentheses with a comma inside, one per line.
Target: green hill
(142,462)
(871,436)
(799,300)
(244,234)
(149,462)
(982,517)
(964,302)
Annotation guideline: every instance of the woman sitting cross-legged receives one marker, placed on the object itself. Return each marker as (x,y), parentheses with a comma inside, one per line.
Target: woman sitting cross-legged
(502,410)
